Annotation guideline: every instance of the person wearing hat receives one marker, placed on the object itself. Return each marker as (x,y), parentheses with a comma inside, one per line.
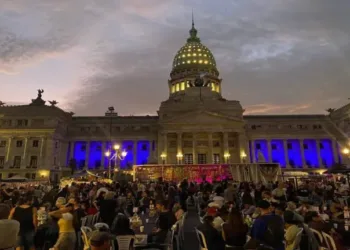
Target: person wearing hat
(268,228)
(100,240)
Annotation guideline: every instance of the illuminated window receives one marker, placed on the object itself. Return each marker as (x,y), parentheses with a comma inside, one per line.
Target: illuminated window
(172,88)
(205,55)
(188,54)
(177,87)
(183,55)
(183,86)
(194,54)
(188,61)
(199,49)
(187,84)
(206,62)
(200,54)
(218,88)
(195,61)
(183,62)
(200,61)
(213,86)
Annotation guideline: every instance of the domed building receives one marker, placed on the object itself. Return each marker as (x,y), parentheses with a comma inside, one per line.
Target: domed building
(195,126)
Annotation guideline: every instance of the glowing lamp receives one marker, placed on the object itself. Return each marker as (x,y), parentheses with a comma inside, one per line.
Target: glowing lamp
(124,153)
(346,151)
(107,153)
(116,147)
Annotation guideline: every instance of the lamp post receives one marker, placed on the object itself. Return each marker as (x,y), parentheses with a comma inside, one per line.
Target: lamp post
(118,155)
(179,157)
(243,157)
(227,157)
(163,156)
(346,152)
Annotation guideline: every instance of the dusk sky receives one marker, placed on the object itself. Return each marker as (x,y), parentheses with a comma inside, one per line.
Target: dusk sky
(274,56)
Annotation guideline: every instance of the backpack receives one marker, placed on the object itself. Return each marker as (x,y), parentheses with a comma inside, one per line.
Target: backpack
(274,235)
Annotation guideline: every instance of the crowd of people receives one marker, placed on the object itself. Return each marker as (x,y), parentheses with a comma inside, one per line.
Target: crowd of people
(231,215)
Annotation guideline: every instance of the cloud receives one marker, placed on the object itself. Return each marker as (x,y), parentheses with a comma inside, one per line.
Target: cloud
(274,56)
(32,30)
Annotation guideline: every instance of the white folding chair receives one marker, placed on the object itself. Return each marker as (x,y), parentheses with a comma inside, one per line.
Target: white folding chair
(202,241)
(84,235)
(318,236)
(298,239)
(329,241)
(126,242)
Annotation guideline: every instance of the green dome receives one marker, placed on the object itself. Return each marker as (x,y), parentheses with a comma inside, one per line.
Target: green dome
(194,56)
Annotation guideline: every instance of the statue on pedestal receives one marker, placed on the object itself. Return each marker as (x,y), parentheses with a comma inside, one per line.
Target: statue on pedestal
(2,104)
(38,101)
(53,103)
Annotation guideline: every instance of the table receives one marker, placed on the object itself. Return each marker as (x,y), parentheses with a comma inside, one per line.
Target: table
(141,237)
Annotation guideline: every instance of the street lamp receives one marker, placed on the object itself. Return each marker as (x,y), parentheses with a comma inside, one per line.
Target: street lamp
(163,156)
(346,151)
(227,157)
(243,156)
(118,155)
(179,157)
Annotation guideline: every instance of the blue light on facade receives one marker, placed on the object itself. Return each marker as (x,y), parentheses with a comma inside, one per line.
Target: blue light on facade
(277,152)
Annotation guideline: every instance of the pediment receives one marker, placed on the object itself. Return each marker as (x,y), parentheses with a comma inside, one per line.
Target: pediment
(200,117)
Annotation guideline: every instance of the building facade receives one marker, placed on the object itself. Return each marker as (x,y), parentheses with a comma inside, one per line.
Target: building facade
(195,125)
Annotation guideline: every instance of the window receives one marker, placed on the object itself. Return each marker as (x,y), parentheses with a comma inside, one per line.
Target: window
(289,146)
(98,148)
(144,147)
(33,162)
(305,146)
(153,145)
(172,144)
(258,146)
(56,144)
(202,159)
(54,161)
(216,144)
(321,145)
(292,163)
(2,161)
(17,162)
(273,146)
(129,148)
(19,144)
(27,175)
(83,148)
(33,176)
(216,158)
(97,163)
(22,123)
(35,143)
(2,144)
(187,144)
(231,144)
(188,159)
(81,164)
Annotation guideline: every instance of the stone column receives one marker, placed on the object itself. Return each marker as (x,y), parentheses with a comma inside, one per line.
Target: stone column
(24,159)
(87,154)
(301,143)
(335,151)
(134,152)
(179,143)
(210,151)
(253,160)
(103,151)
(269,150)
(71,153)
(8,149)
(319,158)
(243,148)
(150,152)
(165,147)
(285,151)
(41,158)
(194,151)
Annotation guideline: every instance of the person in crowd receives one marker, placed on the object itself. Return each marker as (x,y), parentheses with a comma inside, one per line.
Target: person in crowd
(217,220)
(234,231)
(26,215)
(166,220)
(67,234)
(144,202)
(100,240)
(230,193)
(108,207)
(268,229)
(279,193)
(9,229)
(291,230)
(248,209)
(292,207)
(178,211)
(213,238)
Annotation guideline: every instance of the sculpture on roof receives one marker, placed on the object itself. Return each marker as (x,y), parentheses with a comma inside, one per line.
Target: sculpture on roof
(2,104)
(40,91)
(330,110)
(53,103)
(38,101)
